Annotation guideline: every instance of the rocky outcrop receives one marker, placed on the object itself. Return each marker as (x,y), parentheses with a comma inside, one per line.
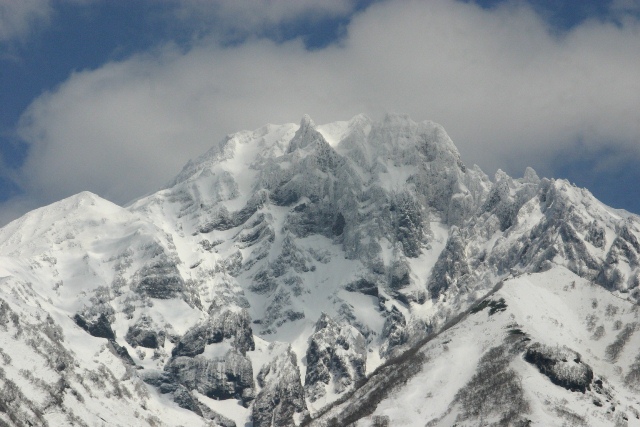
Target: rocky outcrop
(145,333)
(561,365)
(233,325)
(100,327)
(363,286)
(281,401)
(186,400)
(596,235)
(624,249)
(394,332)
(226,377)
(216,375)
(159,279)
(223,220)
(336,359)
(451,267)
(409,224)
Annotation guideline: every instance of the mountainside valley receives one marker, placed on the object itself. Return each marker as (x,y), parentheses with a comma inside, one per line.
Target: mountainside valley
(356,273)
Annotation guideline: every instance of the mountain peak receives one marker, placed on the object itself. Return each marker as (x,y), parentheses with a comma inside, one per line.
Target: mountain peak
(397,119)
(306,135)
(307,122)
(301,271)
(80,210)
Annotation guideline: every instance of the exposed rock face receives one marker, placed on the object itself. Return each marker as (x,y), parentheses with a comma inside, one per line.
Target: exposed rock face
(159,276)
(186,400)
(160,279)
(451,267)
(100,328)
(394,332)
(120,351)
(145,334)
(232,325)
(363,286)
(336,358)
(596,235)
(281,401)
(624,249)
(562,365)
(409,223)
(227,377)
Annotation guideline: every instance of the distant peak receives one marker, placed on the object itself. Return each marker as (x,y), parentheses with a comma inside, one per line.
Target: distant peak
(396,118)
(84,198)
(86,195)
(530,176)
(501,176)
(307,122)
(360,118)
(305,135)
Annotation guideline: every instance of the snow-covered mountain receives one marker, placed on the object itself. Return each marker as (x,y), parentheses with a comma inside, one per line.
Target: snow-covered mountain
(354,272)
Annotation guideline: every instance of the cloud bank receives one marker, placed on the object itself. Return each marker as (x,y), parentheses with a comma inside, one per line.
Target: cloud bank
(509,91)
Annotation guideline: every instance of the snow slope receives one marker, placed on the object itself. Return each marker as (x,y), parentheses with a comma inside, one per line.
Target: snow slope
(463,381)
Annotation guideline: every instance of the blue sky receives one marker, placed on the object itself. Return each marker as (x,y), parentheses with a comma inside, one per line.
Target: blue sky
(115,96)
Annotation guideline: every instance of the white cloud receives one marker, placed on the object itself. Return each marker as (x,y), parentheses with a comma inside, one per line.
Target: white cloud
(510,94)
(625,7)
(18,16)
(226,20)
(229,19)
